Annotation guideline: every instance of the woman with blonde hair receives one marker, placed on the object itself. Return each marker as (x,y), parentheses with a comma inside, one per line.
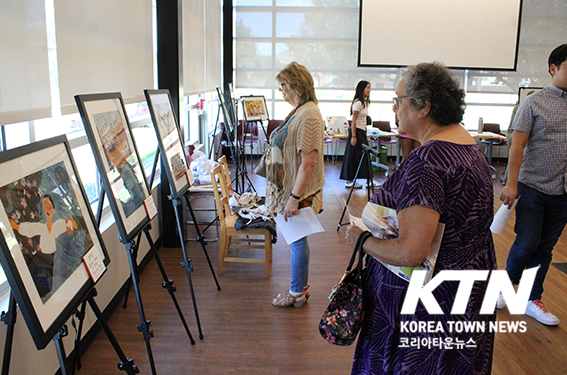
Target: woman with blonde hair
(294,170)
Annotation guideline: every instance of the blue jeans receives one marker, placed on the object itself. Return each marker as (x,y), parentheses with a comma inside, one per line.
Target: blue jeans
(540,219)
(299,265)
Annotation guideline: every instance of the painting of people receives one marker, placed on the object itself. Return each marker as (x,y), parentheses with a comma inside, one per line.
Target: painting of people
(44,213)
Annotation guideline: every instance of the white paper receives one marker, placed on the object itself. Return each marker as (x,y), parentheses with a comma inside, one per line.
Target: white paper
(501,218)
(94,263)
(190,177)
(299,226)
(151,208)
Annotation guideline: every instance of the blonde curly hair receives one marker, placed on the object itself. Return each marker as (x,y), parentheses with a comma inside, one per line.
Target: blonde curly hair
(299,80)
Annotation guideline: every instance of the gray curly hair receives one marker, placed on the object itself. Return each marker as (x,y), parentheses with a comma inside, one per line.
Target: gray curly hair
(434,83)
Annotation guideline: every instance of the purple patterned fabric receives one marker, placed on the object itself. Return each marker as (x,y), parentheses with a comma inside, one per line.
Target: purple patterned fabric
(455,181)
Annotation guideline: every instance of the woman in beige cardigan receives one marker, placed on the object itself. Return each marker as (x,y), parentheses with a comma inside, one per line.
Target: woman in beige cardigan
(295,171)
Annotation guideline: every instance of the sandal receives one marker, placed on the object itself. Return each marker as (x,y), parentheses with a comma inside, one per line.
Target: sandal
(286,300)
(306,292)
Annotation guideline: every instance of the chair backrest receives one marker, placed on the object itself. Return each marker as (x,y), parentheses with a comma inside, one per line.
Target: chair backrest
(226,172)
(490,127)
(248,128)
(221,195)
(273,125)
(382,125)
(239,130)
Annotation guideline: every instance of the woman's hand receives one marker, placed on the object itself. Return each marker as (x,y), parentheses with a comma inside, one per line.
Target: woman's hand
(352,234)
(353,141)
(291,208)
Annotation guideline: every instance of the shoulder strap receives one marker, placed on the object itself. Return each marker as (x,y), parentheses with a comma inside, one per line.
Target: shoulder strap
(358,250)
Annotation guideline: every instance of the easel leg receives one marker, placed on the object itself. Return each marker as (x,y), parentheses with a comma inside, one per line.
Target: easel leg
(187,262)
(364,154)
(370,180)
(167,283)
(144,325)
(10,319)
(58,339)
(200,238)
(127,364)
(80,314)
(135,252)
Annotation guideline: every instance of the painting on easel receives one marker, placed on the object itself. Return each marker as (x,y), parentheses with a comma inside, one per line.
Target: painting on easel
(46,230)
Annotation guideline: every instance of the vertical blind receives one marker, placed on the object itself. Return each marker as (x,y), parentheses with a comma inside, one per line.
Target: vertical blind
(24,68)
(104,46)
(213,36)
(202,44)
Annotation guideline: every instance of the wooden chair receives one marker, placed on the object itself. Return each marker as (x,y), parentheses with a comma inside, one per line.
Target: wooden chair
(226,172)
(232,238)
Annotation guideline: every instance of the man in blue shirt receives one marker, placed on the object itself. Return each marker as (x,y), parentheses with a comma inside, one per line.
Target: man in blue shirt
(536,174)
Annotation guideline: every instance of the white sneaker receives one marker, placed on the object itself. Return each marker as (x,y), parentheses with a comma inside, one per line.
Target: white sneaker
(350,184)
(536,309)
(501,303)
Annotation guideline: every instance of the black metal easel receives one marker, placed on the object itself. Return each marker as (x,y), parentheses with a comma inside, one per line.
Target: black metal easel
(366,150)
(9,318)
(132,249)
(200,238)
(241,174)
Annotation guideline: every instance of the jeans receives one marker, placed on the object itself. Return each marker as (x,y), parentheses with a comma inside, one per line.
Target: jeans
(540,219)
(299,265)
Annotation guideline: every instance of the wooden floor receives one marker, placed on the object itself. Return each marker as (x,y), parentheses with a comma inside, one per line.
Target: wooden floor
(244,334)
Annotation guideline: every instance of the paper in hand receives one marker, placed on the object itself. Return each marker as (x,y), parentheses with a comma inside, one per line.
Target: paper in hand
(299,226)
(501,218)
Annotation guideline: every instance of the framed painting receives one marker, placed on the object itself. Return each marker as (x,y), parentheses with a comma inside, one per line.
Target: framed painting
(46,231)
(254,108)
(171,148)
(523,92)
(110,136)
(225,111)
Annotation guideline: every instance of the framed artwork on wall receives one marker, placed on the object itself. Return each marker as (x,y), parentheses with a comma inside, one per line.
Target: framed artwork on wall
(46,230)
(170,142)
(254,108)
(523,92)
(110,136)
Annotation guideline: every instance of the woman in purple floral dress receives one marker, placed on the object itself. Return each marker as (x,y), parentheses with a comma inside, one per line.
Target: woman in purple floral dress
(446,180)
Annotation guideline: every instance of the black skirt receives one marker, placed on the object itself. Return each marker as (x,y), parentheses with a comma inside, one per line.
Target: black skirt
(352,158)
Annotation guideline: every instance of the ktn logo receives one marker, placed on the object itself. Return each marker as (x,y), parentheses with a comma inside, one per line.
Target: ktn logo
(499,282)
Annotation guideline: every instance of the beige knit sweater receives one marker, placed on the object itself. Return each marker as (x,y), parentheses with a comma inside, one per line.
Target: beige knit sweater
(306,133)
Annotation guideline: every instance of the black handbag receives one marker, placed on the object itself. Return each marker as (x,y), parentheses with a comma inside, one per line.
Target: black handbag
(343,318)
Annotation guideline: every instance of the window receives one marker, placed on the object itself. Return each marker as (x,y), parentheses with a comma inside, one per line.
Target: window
(323,36)
(22,133)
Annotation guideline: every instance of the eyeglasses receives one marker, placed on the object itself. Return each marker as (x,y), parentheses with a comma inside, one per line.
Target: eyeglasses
(280,86)
(396,100)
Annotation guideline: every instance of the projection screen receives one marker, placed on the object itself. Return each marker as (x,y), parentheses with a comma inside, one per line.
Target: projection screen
(464,34)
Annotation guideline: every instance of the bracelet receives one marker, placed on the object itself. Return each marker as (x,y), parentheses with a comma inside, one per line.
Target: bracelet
(294,196)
